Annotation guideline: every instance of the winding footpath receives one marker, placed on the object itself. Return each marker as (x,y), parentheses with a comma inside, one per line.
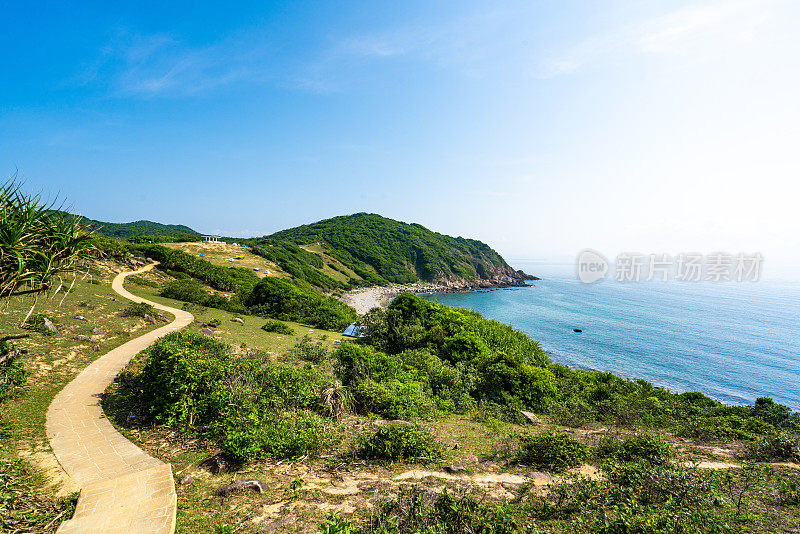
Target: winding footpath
(123,489)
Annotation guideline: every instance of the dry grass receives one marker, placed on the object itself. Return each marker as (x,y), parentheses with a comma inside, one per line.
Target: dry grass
(220,253)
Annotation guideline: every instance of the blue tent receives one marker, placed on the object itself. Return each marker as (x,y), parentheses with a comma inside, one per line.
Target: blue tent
(354,330)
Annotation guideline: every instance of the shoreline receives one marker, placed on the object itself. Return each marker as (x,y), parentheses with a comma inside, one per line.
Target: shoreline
(364,299)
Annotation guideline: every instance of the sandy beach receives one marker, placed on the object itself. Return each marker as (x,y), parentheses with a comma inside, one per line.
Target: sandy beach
(365,299)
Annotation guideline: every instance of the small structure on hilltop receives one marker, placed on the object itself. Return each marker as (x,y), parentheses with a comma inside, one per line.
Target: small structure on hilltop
(210,239)
(354,330)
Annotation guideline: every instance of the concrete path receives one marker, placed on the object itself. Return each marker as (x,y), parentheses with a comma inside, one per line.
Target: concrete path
(123,489)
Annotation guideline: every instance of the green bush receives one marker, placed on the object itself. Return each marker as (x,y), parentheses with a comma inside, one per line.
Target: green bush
(278,327)
(723,428)
(642,447)
(392,399)
(281,299)
(252,406)
(414,510)
(554,451)
(789,491)
(137,309)
(141,281)
(308,351)
(778,446)
(187,290)
(399,442)
(281,436)
(381,383)
(637,498)
(775,414)
(191,290)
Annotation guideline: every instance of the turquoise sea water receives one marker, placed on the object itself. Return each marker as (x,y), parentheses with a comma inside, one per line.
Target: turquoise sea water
(731,341)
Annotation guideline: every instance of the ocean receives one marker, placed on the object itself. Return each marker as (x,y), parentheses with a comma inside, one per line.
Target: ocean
(732,341)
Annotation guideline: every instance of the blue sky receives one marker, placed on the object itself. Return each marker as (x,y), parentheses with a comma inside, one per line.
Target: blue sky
(539,127)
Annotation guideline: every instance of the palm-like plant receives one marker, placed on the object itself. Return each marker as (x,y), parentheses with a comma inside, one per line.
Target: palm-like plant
(37,243)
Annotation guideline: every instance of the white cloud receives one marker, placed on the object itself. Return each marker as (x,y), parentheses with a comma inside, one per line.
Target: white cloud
(700,31)
(697,29)
(163,65)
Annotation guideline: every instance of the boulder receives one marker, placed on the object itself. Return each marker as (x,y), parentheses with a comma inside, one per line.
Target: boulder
(532,419)
(187,481)
(81,318)
(162,317)
(455,469)
(207,331)
(237,320)
(98,331)
(149,319)
(50,326)
(85,339)
(216,463)
(240,485)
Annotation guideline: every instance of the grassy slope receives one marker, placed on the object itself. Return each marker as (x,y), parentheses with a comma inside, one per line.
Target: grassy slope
(220,253)
(248,335)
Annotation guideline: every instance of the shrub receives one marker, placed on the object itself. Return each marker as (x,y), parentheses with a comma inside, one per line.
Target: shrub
(141,281)
(636,498)
(311,352)
(278,436)
(778,446)
(137,309)
(554,451)
(392,399)
(642,447)
(723,428)
(777,415)
(788,492)
(252,406)
(281,299)
(191,290)
(278,327)
(414,510)
(400,442)
(187,290)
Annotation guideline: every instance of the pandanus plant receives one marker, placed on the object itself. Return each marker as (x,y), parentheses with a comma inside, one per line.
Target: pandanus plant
(38,245)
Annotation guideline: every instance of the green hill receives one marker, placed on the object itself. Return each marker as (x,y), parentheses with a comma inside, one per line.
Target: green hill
(147,229)
(379,250)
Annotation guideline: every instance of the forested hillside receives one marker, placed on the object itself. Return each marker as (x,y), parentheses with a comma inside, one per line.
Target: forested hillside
(383,250)
(141,229)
